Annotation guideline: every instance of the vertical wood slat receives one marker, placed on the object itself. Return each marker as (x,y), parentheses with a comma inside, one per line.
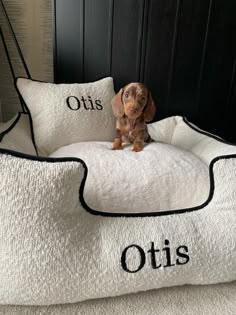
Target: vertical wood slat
(146,7)
(97,39)
(69,41)
(189,53)
(182,50)
(110,35)
(231,86)
(161,18)
(173,52)
(217,72)
(203,54)
(127,38)
(231,107)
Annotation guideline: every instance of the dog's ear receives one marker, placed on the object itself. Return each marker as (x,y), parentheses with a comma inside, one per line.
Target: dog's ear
(150,109)
(117,104)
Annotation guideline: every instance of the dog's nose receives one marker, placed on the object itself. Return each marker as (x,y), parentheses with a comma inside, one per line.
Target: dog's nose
(133,110)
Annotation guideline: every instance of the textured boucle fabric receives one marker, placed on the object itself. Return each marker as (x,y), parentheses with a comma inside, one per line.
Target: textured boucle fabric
(54,249)
(16,135)
(162,177)
(215,299)
(177,131)
(69,113)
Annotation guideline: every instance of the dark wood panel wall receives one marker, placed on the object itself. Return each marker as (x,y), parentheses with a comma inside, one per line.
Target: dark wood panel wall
(183,50)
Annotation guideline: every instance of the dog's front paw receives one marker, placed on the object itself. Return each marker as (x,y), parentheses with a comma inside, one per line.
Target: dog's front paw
(137,147)
(117,145)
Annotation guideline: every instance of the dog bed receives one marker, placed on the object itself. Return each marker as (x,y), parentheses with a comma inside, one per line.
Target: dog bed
(125,182)
(58,245)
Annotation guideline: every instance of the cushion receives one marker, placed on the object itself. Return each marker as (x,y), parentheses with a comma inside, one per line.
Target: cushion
(178,131)
(55,248)
(161,177)
(68,113)
(215,299)
(16,135)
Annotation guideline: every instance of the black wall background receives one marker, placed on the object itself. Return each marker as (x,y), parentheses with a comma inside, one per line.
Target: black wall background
(183,50)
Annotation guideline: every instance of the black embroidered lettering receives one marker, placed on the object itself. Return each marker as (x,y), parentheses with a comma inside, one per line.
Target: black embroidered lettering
(73,103)
(153,252)
(135,253)
(141,255)
(84,102)
(168,256)
(99,105)
(182,255)
(91,102)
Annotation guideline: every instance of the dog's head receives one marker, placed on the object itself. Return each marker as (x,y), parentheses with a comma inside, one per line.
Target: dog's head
(133,100)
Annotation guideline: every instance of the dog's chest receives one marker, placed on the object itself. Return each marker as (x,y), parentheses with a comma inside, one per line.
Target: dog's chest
(126,126)
(128,129)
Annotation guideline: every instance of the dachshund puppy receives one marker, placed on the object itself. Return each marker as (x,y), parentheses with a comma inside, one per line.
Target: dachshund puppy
(133,106)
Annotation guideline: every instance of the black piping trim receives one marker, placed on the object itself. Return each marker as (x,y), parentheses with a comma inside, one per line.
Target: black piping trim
(32,131)
(144,214)
(165,212)
(107,214)
(42,158)
(27,109)
(207,133)
(5,132)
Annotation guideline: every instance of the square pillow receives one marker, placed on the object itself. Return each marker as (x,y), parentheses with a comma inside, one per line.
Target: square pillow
(69,113)
(16,135)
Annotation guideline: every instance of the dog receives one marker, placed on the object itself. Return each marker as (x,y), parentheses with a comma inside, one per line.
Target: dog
(133,106)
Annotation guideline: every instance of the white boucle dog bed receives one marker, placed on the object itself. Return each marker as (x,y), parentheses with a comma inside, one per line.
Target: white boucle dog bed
(126,182)
(55,248)
(16,135)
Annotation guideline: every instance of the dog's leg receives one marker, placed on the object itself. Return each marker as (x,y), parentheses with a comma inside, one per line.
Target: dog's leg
(137,146)
(139,141)
(117,144)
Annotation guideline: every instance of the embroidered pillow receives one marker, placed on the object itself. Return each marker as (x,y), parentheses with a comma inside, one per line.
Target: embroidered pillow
(16,135)
(68,113)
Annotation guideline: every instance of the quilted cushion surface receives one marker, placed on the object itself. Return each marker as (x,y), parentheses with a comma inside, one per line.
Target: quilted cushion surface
(161,177)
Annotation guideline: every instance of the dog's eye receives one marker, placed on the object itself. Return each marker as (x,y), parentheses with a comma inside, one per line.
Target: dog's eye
(143,98)
(126,94)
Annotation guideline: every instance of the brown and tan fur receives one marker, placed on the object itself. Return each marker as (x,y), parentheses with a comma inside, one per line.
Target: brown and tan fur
(133,106)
